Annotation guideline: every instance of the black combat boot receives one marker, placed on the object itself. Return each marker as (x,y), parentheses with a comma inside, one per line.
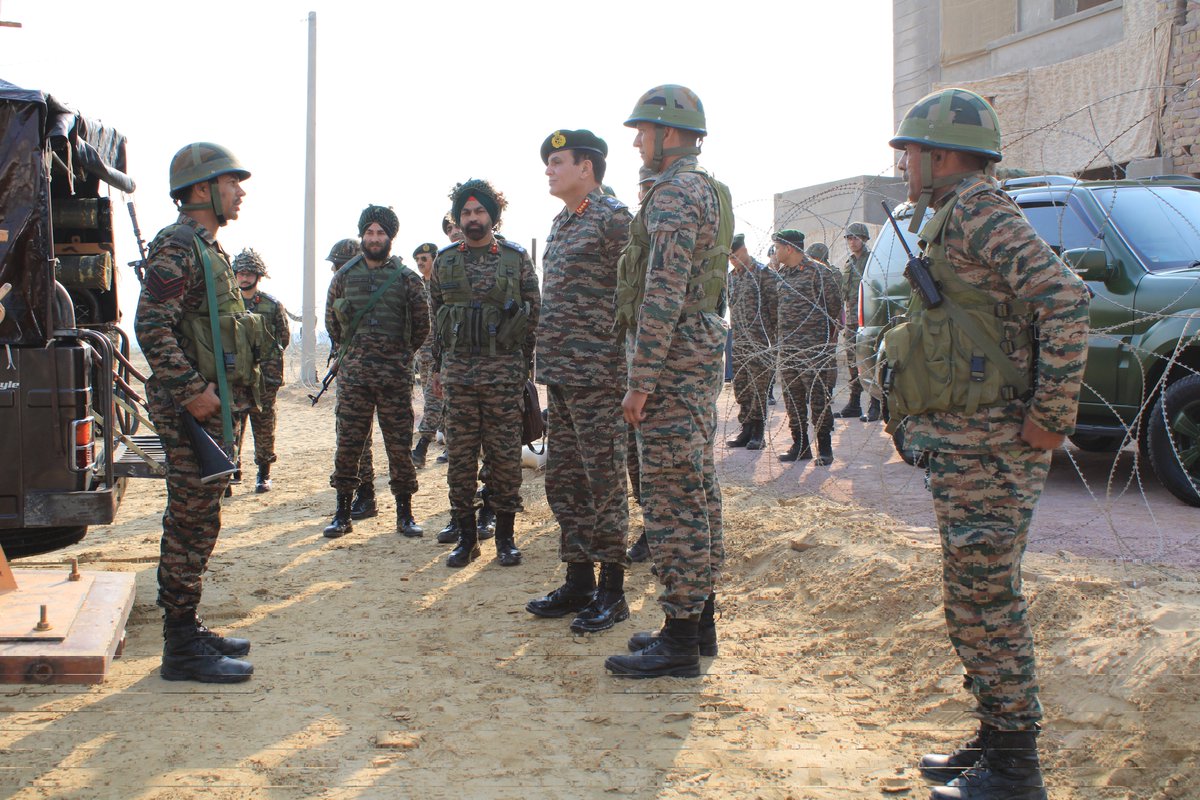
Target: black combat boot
(640,550)
(743,436)
(225,645)
(190,656)
(824,449)
(674,653)
(405,523)
(756,435)
(444,457)
(449,534)
(506,548)
(872,414)
(853,407)
(570,598)
(707,631)
(341,524)
(608,607)
(800,448)
(1008,770)
(418,452)
(467,549)
(363,506)
(945,768)
(262,483)
(487,515)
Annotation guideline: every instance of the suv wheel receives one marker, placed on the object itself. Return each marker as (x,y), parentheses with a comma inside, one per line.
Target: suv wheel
(1174,439)
(911,457)
(1097,443)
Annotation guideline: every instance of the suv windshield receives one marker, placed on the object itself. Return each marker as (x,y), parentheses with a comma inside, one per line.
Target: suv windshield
(1161,224)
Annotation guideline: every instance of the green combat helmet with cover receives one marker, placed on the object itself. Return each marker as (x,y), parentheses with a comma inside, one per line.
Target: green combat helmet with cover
(819,252)
(342,251)
(199,162)
(859,230)
(670,106)
(948,119)
(250,261)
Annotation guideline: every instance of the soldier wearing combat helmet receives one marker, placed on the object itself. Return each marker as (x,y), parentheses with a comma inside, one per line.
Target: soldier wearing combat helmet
(988,406)
(486,305)
(250,269)
(431,413)
(342,251)
(193,373)
(583,367)
(857,236)
(377,318)
(671,305)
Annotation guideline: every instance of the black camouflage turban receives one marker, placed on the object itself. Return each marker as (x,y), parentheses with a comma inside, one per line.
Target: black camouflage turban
(386,218)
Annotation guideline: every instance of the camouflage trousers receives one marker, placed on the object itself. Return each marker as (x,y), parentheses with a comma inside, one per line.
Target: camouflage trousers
(753,367)
(357,404)
(192,519)
(585,472)
(633,462)
(681,497)
(848,338)
(366,465)
(485,419)
(809,389)
(984,505)
(262,426)
(431,415)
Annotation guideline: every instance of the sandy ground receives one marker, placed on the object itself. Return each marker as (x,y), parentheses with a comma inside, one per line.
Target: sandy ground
(382,674)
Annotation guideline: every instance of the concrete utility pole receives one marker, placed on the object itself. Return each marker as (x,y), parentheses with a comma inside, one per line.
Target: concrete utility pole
(308,336)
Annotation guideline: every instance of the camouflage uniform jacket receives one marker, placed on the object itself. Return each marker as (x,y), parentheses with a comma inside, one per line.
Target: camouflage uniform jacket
(175,284)
(425,353)
(372,354)
(993,247)
(671,352)
(851,278)
(461,366)
(576,344)
(754,304)
(810,307)
(272,364)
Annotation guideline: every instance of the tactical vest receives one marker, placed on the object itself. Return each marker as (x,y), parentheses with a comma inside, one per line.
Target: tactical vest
(244,336)
(635,261)
(267,307)
(495,324)
(390,314)
(955,357)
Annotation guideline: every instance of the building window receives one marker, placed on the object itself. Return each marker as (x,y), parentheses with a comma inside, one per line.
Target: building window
(1065,8)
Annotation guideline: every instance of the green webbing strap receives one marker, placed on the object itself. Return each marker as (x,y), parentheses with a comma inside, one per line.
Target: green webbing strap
(210,286)
(372,301)
(989,348)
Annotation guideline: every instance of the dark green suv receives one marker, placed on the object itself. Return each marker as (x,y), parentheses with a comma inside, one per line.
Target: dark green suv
(1137,244)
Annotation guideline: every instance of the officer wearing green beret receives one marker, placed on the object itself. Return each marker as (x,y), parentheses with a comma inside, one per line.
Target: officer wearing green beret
(583,367)
(377,318)
(249,268)
(431,414)
(184,268)
(987,403)
(753,316)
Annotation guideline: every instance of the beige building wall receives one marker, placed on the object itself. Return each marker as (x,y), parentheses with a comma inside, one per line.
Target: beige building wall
(822,212)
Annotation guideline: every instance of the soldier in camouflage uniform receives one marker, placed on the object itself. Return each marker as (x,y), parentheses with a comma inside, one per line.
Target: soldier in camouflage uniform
(173,312)
(988,413)
(582,364)
(485,305)
(640,550)
(810,307)
(671,304)
(377,318)
(856,239)
(250,269)
(753,314)
(817,251)
(431,413)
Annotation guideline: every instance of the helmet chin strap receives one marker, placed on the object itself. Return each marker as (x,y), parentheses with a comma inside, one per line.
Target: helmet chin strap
(660,133)
(928,185)
(213,204)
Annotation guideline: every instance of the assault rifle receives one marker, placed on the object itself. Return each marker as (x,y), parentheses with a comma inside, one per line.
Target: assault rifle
(328,379)
(139,266)
(916,271)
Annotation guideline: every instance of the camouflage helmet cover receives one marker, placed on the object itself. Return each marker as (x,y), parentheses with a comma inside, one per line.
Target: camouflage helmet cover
(951,119)
(672,106)
(250,261)
(858,229)
(343,251)
(819,251)
(203,161)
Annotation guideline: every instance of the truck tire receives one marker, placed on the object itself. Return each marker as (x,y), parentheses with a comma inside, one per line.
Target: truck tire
(1097,443)
(22,542)
(1174,439)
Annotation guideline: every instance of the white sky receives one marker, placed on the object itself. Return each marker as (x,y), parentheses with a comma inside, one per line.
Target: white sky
(412,98)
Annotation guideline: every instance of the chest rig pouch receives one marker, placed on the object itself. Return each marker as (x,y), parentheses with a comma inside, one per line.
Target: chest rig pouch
(956,357)
(705,291)
(495,323)
(366,307)
(245,340)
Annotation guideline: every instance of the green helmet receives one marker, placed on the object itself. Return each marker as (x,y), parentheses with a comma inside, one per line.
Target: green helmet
(343,251)
(249,261)
(818,251)
(670,105)
(859,230)
(951,119)
(203,161)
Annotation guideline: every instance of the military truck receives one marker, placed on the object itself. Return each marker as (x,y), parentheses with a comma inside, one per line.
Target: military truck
(69,397)
(1137,244)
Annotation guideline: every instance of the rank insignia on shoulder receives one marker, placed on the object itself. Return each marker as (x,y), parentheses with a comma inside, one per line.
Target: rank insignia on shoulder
(512,245)
(613,202)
